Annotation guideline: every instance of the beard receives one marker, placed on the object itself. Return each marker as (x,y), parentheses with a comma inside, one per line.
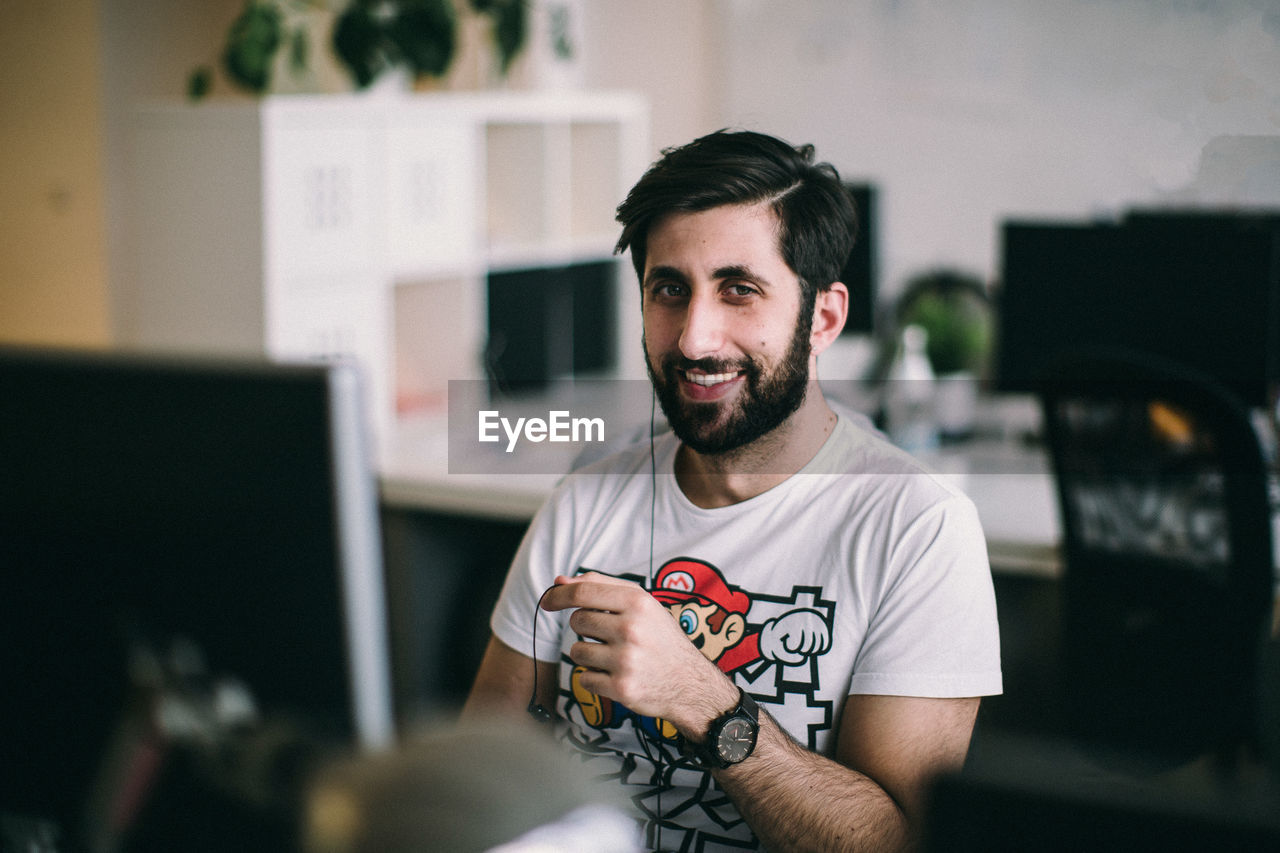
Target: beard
(766,399)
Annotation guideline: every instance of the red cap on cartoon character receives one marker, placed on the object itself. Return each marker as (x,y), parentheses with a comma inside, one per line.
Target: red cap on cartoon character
(685,580)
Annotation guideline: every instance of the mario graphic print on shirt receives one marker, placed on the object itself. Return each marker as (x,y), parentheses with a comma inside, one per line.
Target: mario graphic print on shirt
(770,645)
(716,618)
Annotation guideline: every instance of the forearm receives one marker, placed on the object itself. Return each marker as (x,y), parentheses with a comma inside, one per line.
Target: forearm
(795,799)
(505,682)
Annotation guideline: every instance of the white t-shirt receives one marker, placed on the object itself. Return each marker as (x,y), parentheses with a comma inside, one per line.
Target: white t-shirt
(862,573)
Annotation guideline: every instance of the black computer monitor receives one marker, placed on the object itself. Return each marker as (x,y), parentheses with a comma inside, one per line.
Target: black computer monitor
(181,542)
(1057,286)
(861,272)
(1201,290)
(549,323)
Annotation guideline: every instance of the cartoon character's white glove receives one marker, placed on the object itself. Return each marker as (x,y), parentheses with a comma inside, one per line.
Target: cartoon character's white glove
(794,636)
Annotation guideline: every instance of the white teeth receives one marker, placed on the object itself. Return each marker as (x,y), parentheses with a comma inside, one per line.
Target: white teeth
(708,379)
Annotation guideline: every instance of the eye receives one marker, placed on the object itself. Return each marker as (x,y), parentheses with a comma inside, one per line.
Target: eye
(688,621)
(739,291)
(666,291)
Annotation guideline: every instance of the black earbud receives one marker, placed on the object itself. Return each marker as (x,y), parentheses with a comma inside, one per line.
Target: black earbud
(537,711)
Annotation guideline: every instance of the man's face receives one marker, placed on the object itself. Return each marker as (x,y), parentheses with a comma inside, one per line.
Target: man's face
(726,341)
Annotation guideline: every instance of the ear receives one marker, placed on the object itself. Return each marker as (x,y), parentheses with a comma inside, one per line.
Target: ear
(733,629)
(830,309)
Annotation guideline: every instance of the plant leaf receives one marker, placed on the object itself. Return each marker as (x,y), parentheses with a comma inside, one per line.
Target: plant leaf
(299,51)
(509,31)
(358,44)
(199,82)
(251,46)
(423,33)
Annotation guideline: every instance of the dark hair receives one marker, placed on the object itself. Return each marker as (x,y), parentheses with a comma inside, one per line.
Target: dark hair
(817,221)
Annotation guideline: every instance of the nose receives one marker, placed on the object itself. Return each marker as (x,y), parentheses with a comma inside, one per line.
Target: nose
(703,332)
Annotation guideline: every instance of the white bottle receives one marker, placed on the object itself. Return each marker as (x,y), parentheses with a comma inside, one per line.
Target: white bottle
(910,394)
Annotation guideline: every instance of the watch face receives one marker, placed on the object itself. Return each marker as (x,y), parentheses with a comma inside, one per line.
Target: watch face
(735,741)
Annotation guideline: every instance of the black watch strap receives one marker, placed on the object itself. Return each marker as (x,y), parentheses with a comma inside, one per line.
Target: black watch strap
(742,722)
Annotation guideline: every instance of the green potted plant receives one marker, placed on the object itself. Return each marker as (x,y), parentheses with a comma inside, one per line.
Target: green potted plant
(953,309)
(367,38)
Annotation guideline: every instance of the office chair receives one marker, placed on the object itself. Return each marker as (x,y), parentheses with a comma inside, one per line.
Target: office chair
(1167,584)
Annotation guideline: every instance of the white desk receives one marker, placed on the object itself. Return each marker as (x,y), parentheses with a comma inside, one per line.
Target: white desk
(414,474)
(1013,491)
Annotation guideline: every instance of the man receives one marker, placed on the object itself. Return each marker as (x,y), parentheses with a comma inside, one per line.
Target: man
(768,626)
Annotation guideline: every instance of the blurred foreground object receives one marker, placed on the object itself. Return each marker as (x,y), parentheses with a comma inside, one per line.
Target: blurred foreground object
(465,788)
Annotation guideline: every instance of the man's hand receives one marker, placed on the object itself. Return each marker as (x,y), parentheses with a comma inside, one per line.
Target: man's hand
(636,654)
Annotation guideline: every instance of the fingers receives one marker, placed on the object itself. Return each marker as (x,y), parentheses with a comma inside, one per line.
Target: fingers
(596,624)
(594,591)
(599,657)
(592,577)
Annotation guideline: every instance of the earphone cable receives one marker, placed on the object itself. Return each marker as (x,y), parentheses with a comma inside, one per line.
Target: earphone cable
(653,510)
(653,481)
(535,707)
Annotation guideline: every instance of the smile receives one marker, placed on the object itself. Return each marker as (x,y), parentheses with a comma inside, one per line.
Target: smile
(708,379)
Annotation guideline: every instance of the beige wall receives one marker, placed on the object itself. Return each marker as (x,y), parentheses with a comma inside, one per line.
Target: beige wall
(669,50)
(75,66)
(52,255)
(963,117)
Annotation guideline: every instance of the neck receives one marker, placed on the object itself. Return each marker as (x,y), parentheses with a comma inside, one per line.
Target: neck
(723,479)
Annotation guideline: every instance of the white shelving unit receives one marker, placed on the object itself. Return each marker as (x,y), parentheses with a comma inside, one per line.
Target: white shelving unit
(335,225)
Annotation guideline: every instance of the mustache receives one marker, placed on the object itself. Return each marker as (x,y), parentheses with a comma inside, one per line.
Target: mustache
(675,363)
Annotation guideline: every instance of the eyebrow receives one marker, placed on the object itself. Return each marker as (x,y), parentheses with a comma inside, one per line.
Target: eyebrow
(738,271)
(719,274)
(664,272)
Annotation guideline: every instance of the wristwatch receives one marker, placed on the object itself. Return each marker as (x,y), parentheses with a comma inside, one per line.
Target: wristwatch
(731,737)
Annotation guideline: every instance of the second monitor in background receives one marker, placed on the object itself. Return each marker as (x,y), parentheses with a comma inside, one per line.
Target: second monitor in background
(861,272)
(549,323)
(1197,289)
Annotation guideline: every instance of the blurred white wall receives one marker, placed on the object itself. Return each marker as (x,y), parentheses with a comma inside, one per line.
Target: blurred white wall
(968,112)
(672,50)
